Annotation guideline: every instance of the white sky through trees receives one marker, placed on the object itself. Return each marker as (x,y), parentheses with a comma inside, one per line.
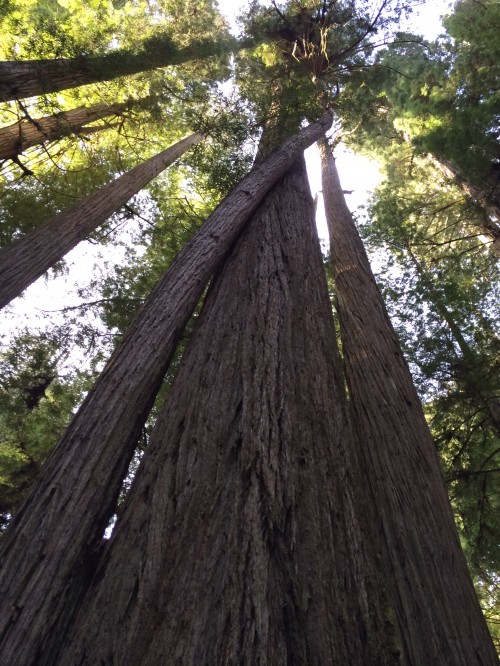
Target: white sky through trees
(358,175)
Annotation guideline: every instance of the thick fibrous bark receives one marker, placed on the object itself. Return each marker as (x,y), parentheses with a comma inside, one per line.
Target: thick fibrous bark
(19,79)
(48,552)
(237,544)
(16,138)
(30,257)
(437,612)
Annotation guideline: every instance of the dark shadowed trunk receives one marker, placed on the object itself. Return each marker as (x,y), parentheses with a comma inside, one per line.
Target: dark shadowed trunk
(31,256)
(238,543)
(16,138)
(48,553)
(437,613)
(27,78)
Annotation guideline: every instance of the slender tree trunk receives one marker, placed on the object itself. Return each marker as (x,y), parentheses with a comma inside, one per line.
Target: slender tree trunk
(437,612)
(487,197)
(236,545)
(48,553)
(19,79)
(16,138)
(31,256)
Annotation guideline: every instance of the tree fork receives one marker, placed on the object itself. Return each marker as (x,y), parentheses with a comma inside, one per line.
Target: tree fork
(48,552)
(437,611)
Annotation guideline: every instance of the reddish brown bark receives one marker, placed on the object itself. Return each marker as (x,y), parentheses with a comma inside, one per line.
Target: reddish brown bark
(16,138)
(238,542)
(48,553)
(30,257)
(437,613)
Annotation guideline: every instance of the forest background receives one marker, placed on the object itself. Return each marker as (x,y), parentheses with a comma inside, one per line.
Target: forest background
(426,110)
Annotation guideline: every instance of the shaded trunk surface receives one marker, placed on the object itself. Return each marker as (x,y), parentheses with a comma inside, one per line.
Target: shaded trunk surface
(238,543)
(437,613)
(16,138)
(30,257)
(48,553)
(27,78)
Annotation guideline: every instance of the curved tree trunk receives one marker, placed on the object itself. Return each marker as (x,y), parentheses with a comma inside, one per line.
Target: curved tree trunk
(27,78)
(437,612)
(16,138)
(31,256)
(48,553)
(238,541)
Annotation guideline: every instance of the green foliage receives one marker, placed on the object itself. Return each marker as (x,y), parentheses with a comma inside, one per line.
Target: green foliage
(39,392)
(398,101)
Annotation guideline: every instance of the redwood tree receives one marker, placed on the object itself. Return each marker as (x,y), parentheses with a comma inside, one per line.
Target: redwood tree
(437,612)
(29,257)
(16,138)
(49,551)
(26,78)
(239,541)
(239,536)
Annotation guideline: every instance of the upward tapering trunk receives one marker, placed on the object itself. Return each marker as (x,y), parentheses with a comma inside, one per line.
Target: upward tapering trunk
(19,79)
(48,553)
(437,612)
(238,542)
(16,138)
(30,257)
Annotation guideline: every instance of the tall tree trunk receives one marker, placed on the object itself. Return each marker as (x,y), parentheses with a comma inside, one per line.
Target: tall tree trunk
(488,197)
(31,256)
(16,138)
(437,612)
(48,553)
(26,78)
(238,541)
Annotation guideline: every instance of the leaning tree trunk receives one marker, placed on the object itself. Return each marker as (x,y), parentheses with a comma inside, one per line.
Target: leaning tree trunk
(488,197)
(27,78)
(238,543)
(48,553)
(437,612)
(31,256)
(16,138)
